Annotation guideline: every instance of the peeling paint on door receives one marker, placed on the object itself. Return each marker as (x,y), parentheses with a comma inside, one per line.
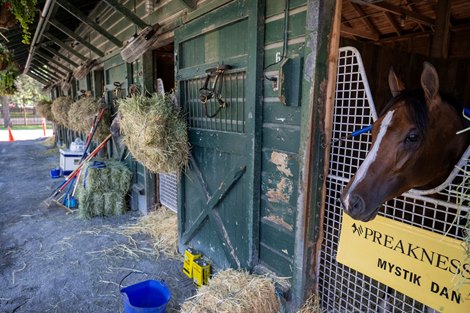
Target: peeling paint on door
(281,160)
(282,192)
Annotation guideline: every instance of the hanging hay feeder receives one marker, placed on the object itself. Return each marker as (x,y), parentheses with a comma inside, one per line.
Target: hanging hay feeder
(82,114)
(60,110)
(137,45)
(85,68)
(102,188)
(44,108)
(236,292)
(155,132)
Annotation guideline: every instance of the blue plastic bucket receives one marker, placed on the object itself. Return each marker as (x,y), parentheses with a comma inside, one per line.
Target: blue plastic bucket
(150,296)
(55,173)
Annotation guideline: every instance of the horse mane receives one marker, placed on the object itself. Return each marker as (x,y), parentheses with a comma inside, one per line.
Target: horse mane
(415,104)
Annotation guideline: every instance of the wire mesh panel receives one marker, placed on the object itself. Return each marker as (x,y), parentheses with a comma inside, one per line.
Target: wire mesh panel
(341,288)
(169,191)
(231,117)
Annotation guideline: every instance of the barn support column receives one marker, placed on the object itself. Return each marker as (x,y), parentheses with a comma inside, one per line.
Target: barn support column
(321,36)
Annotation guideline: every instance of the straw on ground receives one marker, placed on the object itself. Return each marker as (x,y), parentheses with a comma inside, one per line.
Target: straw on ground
(236,292)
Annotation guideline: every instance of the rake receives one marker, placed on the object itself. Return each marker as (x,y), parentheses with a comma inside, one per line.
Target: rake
(47,203)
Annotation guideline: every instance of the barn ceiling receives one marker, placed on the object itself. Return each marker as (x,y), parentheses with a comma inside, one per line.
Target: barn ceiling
(436,28)
(385,22)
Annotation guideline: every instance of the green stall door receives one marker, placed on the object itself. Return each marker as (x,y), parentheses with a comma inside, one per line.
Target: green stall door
(218,205)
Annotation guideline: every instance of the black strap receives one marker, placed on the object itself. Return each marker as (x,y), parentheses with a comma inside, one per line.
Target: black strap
(206,93)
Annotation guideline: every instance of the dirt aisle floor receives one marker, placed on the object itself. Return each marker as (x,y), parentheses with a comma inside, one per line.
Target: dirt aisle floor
(56,262)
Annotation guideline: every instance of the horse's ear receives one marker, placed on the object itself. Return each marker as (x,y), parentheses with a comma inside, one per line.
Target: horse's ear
(395,84)
(430,82)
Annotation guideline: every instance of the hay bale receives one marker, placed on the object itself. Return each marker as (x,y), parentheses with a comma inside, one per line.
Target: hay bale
(162,226)
(60,110)
(155,132)
(102,191)
(236,292)
(44,108)
(82,114)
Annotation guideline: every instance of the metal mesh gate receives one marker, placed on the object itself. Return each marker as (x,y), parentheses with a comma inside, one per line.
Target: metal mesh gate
(343,289)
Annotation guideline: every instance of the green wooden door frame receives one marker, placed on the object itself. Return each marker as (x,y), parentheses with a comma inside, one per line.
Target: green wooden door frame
(320,18)
(250,141)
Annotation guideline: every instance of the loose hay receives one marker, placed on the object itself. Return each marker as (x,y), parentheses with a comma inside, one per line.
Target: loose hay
(81,116)
(162,226)
(60,110)
(102,191)
(44,108)
(235,292)
(155,132)
(311,305)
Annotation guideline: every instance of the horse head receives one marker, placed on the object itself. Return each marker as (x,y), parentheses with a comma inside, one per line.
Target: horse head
(414,145)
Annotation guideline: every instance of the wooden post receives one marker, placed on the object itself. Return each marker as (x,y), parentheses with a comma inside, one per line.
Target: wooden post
(440,42)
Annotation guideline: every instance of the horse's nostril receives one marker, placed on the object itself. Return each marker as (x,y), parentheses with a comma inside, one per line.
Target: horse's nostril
(356,204)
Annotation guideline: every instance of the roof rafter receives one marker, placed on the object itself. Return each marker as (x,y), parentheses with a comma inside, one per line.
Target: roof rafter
(388,7)
(74,36)
(127,13)
(58,54)
(57,41)
(49,59)
(67,6)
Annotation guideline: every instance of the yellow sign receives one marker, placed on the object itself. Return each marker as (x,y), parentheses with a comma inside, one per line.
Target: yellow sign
(428,267)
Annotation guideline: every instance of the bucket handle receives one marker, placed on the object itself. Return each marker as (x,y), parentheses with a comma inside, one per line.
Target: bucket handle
(134,272)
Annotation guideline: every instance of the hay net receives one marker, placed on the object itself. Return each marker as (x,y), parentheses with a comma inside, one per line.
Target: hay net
(60,110)
(81,117)
(155,132)
(44,108)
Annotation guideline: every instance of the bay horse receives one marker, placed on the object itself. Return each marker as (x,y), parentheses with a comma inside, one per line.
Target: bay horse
(414,145)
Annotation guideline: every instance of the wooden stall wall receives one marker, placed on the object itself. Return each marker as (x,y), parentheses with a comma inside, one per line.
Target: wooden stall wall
(280,136)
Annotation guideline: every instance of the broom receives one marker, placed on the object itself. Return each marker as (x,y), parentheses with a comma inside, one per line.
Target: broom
(47,203)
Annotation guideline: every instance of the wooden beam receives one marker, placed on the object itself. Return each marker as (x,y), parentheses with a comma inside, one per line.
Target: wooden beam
(388,7)
(60,55)
(365,19)
(49,59)
(39,79)
(393,22)
(65,46)
(74,36)
(127,13)
(41,71)
(67,6)
(358,33)
(440,41)
(190,4)
(54,70)
(38,74)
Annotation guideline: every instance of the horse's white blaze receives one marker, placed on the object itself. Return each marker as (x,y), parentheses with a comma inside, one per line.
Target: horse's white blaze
(362,171)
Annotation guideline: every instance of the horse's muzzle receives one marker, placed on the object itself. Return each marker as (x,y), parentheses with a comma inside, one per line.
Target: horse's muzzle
(355,206)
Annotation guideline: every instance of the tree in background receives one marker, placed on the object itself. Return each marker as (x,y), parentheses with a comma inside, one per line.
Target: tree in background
(27,94)
(28,91)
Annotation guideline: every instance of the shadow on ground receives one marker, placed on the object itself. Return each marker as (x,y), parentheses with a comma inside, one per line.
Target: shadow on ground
(51,261)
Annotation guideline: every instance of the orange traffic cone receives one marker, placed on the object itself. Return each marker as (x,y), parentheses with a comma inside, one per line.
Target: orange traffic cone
(44,126)
(10,135)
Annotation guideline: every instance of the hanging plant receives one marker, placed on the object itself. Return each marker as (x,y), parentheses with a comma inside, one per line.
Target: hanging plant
(6,58)
(7,19)
(7,80)
(25,12)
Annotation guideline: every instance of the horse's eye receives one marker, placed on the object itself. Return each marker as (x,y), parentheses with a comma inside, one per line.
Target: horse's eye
(412,137)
